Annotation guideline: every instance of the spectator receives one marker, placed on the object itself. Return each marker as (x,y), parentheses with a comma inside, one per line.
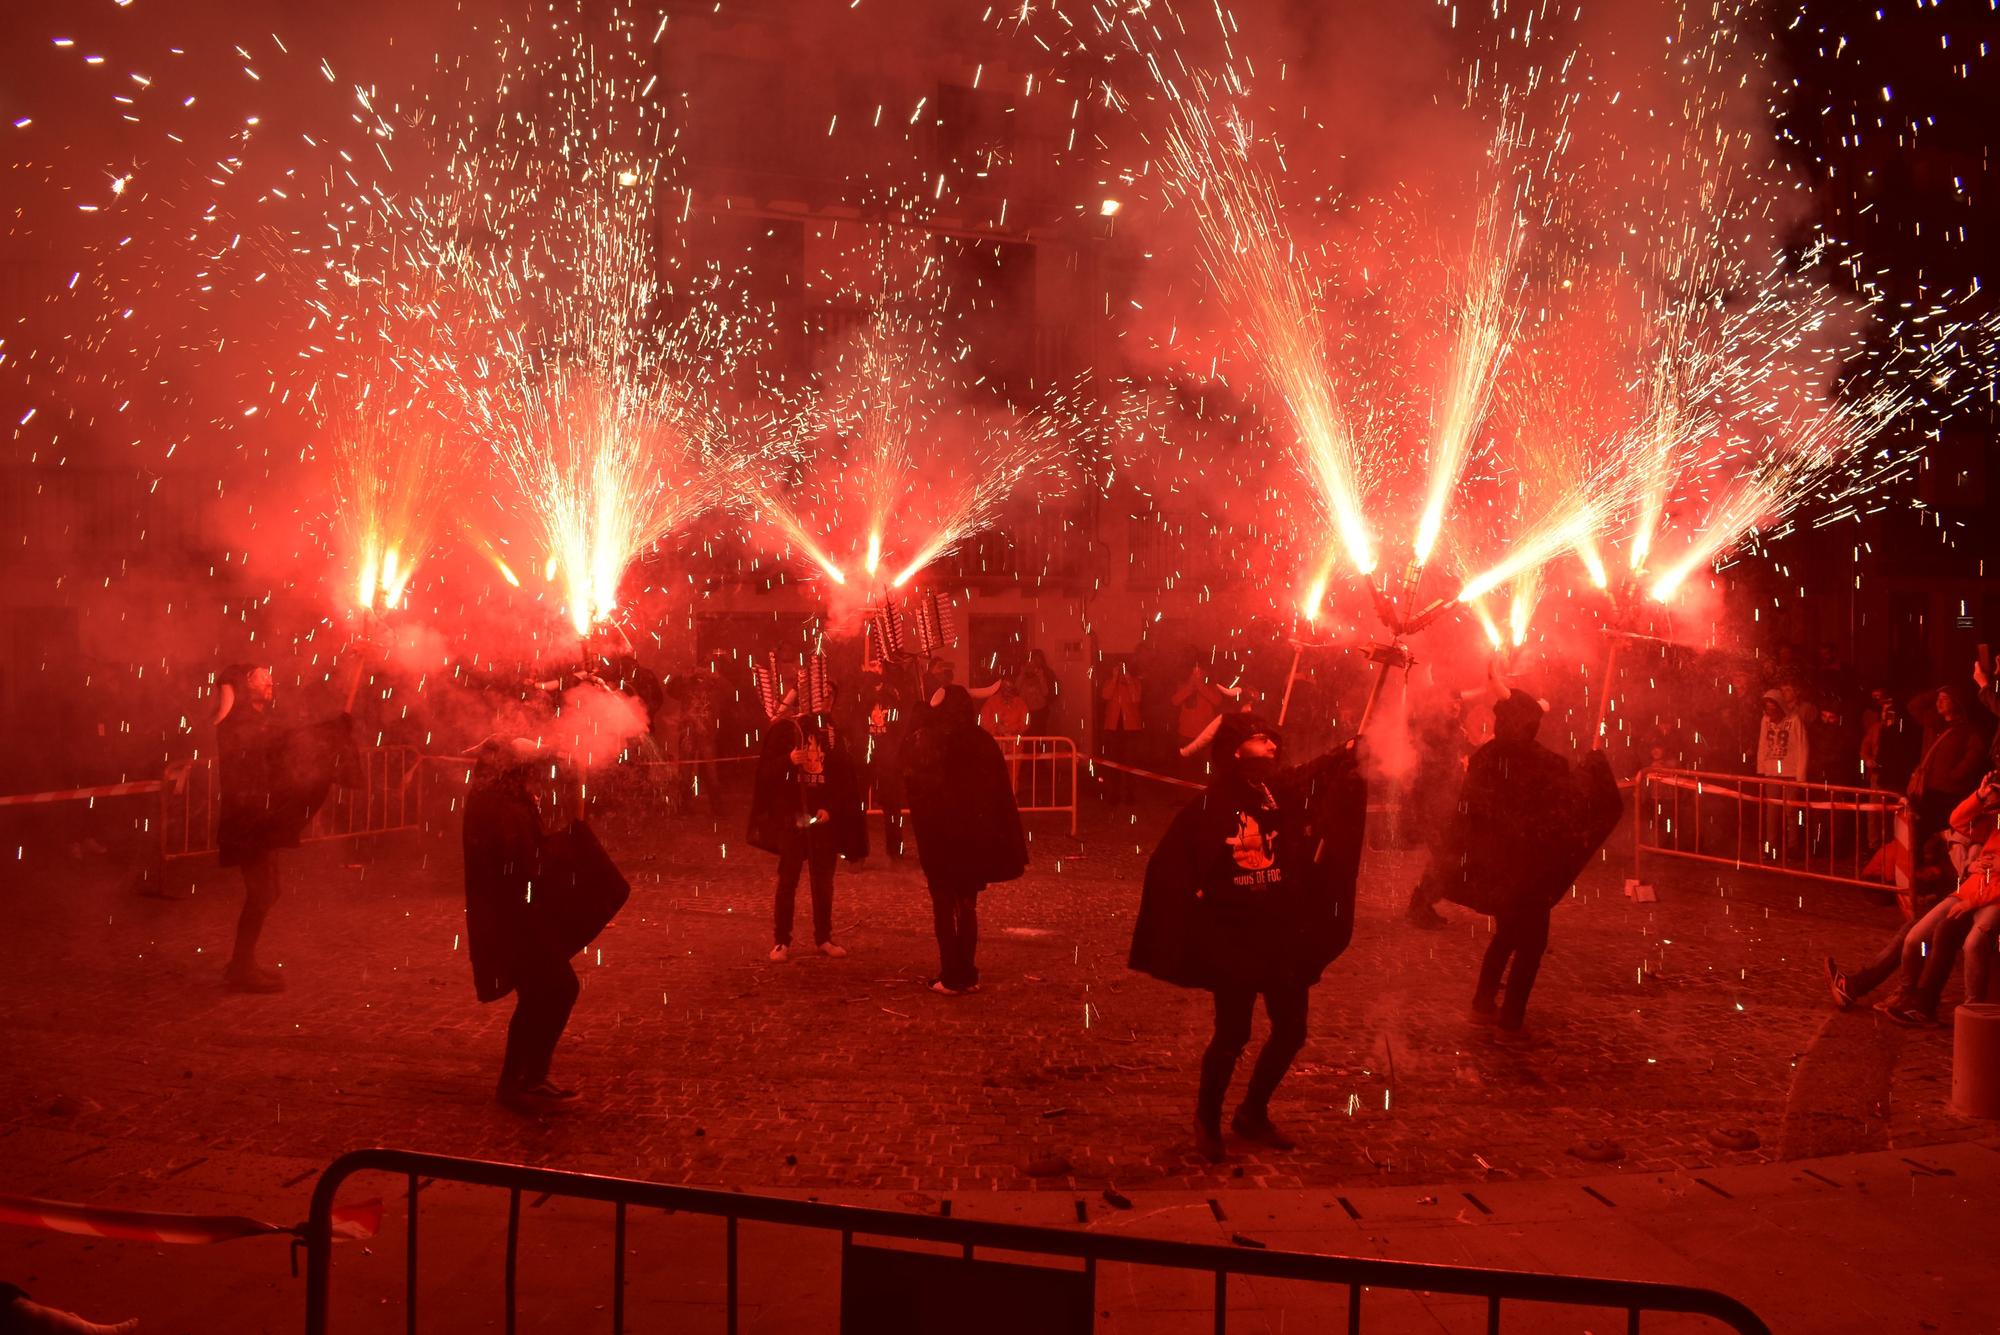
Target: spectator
(1200,704)
(1983,677)
(1931,945)
(1955,754)
(701,719)
(1782,745)
(21,1315)
(1890,744)
(1006,713)
(1123,694)
(1834,682)
(1037,685)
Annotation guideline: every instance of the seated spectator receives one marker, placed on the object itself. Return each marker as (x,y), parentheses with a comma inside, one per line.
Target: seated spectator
(1926,948)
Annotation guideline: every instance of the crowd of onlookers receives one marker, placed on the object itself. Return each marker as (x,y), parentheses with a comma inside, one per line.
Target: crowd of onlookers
(1925,767)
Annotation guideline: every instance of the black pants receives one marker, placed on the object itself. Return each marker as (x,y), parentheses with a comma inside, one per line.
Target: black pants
(812,850)
(1286,1008)
(1876,972)
(955,915)
(1523,936)
(1121,745)
(260,892)
(545,990)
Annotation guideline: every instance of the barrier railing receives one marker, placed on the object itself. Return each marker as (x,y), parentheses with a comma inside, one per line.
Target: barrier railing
(1821,831)
(1071,1294)
(385,800)
(1044,770)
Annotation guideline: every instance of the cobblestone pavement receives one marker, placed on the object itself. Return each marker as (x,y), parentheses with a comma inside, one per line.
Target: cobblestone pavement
(1659,1027)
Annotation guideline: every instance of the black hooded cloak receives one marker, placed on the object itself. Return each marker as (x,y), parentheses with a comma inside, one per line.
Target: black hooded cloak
(274,779)
(529,893)
(1526,822)
(785,792)
(1252,886)
(961,797)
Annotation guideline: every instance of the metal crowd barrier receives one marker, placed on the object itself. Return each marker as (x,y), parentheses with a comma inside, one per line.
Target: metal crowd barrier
(386,800)
(1820,831)
(1044,770)
(1070,1294)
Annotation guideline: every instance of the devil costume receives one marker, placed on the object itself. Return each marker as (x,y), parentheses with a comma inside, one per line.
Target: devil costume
(967,825)
(272,780)
(533,899)
(807,809)
(1527,822)
(1251,892)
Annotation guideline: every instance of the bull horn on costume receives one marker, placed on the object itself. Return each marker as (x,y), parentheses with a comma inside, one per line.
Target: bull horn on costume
(1203,740)
(986,692)
(225,700)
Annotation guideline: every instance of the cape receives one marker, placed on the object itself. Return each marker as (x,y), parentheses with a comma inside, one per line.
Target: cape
(961,800)
(275,779)
(1526,823)
(529,893)
(1210,917)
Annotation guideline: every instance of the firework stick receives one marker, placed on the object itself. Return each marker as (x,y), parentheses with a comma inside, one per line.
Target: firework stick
(1374,699)
(1604,694)
(1291,680)
(360,666)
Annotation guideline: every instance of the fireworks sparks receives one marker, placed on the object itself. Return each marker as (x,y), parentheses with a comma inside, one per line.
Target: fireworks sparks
(1250,257)
(392,481)
(1488,318)
(488,295)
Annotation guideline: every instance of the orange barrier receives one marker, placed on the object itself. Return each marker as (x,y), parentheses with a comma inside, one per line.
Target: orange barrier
(351,1223)
(84,794)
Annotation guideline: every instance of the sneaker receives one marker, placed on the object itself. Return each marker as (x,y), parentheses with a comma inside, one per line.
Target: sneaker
(1836,982)
(1208,1142)
(937,986)
(542,1089)
(831,951)
(1483,1012)
(250,978)
(1902,1013)
(532,1101)
(780,953)
(1260,1128)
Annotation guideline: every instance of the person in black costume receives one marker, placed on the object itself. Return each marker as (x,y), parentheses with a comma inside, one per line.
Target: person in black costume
(807,809)
(533,899)
(1526,823)
(272,779)
(967,825)
(1251,892)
